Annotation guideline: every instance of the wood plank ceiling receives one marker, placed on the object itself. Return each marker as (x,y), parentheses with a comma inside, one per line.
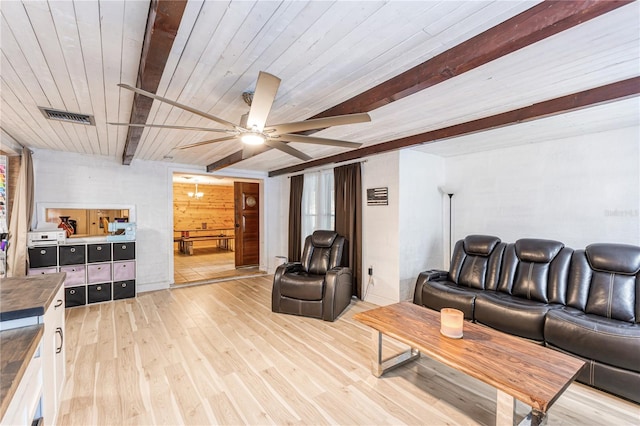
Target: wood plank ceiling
(70,55)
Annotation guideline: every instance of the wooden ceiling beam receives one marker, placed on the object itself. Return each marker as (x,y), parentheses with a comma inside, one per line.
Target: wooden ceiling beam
(541,21)
(564,104)
(535,24)
(162,26)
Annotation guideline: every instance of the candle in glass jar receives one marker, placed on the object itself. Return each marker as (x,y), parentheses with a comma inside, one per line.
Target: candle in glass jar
(451,321)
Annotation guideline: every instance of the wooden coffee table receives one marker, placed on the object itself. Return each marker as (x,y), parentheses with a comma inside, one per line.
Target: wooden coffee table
(517,368)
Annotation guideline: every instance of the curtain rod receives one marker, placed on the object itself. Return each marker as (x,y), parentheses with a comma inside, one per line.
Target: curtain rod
(312,170)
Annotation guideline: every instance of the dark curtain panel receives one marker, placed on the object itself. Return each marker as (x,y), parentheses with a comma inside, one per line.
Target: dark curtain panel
(349,218)
(295,218)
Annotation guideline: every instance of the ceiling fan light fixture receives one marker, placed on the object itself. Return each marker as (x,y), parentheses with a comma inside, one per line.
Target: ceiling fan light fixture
(252,138)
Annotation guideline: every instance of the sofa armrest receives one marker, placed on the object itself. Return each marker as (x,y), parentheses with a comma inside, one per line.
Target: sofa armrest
(435,275)
(424,277)
(277,276)
(337,292)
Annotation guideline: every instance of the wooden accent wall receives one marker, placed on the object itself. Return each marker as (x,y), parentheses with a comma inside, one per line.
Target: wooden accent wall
(215,208)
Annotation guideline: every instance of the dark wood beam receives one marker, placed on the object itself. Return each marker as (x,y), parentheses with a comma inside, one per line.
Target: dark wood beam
(588,98)
(236,157)
(537,23)
(162,26)
(541,21)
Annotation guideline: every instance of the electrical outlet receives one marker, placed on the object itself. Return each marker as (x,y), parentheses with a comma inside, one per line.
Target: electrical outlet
(370,270)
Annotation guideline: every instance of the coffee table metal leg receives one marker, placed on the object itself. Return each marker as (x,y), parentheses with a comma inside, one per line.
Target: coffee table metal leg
(506,412)
(505,409)
(380,366)
(534,418)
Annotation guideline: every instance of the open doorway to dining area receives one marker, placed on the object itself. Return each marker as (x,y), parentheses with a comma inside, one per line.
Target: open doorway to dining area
(216,228)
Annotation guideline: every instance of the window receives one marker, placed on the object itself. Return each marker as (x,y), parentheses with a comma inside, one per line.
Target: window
(318,203)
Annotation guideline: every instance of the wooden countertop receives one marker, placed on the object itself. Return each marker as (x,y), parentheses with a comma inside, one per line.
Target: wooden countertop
(17,347)
(23,297)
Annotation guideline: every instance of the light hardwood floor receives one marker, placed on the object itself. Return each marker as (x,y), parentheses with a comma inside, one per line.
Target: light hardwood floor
(216,354)
(207,264)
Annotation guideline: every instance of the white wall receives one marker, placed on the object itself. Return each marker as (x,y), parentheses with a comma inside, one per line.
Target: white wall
(404,238)
(94,181)
(577,190)
(420,217)
(399,240)
(277,212)
(380,230)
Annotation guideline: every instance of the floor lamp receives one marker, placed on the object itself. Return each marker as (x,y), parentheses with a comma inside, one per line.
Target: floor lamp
(450,226)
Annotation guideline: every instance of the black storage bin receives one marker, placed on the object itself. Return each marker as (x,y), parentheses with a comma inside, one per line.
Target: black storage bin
(124,289)
(125,250)
(75,296)
(72,255)
(99,293)
(40,257)
(99,252)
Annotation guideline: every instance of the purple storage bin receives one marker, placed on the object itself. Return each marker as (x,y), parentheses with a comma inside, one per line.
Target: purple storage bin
(123,271)
(75,275)
(42,271)
(98,273)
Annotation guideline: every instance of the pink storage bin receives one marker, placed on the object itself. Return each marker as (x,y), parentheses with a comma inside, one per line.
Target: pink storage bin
(123,271)
(42,271)
(98,273)
(76,275)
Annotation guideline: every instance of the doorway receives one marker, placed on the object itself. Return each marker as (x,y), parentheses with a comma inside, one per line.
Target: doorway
(205,237)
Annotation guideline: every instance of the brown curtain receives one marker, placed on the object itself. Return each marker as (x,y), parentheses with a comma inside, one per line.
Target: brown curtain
(348,194)
(295,218)
(21,213)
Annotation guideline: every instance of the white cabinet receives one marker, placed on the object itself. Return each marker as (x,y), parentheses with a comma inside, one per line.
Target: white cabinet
(25,405)
(53,358)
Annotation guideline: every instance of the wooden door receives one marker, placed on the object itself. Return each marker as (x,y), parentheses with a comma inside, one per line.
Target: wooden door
(247,217)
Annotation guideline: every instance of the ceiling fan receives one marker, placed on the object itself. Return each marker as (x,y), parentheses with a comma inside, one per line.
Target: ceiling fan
(252,130)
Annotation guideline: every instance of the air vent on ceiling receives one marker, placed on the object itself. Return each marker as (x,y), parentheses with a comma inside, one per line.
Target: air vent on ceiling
(70,117)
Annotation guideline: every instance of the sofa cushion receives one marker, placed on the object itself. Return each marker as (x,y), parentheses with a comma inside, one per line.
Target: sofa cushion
(612,296)
(536,269)
(599,282)
(513,315)
(481,245)
(437,295)
(608,341)
(302,286)
(476,262)
(618,258)
(619,381)
(537,250)
(323,238)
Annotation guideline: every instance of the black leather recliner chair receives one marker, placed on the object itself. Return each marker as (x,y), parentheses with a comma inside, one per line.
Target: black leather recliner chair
(317,286)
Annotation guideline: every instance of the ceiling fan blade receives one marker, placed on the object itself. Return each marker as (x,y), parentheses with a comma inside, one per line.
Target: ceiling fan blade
(318,123)
(193,145)
(318,141)
(178,105)
(162,126)
(281,146)
(265,93)
(249,151)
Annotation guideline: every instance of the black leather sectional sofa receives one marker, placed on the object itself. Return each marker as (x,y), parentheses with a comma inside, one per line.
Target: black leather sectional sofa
(582,302)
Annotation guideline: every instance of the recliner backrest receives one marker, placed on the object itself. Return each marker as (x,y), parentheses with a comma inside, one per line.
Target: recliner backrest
(475,261)
(536,269)
(605,281)
(322,251)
